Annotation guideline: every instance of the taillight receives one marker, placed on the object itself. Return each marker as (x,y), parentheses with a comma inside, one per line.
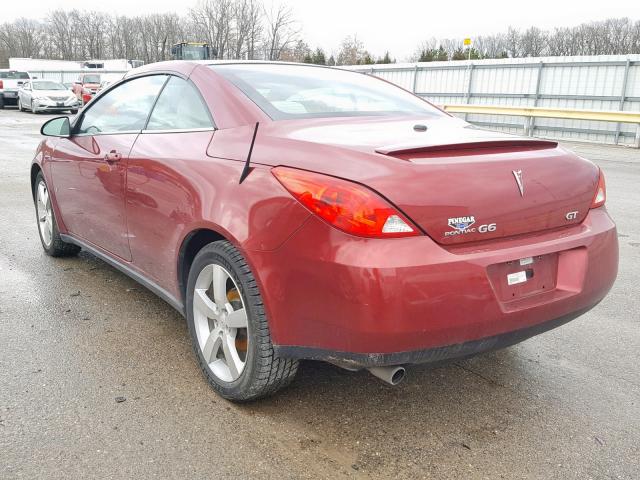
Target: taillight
(347,206)
(1,84)
(601,192)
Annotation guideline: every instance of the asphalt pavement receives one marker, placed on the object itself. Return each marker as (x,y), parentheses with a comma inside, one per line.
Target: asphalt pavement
(98,380)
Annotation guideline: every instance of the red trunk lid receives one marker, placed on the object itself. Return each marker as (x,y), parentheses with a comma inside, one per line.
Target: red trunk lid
(478,192)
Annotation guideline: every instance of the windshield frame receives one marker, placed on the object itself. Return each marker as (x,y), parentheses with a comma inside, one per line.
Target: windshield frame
(420,107)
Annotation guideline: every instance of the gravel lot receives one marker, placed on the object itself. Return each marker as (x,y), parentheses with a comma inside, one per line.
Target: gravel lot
(75,335)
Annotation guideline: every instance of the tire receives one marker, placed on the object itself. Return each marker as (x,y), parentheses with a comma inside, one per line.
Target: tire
(47,225)
(20,109)
(1,102)
(262,373)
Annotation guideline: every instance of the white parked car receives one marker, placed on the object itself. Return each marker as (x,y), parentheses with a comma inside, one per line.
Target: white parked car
(46,96)
(10,82)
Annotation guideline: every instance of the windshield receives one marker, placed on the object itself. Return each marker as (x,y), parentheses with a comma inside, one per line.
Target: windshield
(193,52)
(14,75)
(298,91)
(48,85)
(91,79)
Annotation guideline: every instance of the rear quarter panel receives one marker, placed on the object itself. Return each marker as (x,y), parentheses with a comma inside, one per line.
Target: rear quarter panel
(174,190)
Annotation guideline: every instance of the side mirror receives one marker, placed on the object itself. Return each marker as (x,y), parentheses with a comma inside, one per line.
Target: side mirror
(57,127)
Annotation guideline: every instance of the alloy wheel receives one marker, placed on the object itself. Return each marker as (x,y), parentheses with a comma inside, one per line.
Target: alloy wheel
(221,322)
(45,215)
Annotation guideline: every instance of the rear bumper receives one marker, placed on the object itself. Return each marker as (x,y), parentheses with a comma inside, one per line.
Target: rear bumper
(433,355)
(48,106)
(365,302)
(55,109)
(10,98)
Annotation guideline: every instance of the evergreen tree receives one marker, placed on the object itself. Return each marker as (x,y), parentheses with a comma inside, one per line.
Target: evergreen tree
(318,57)
(386,59)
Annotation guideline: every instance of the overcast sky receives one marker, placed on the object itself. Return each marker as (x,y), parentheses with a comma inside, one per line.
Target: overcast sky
(394,25)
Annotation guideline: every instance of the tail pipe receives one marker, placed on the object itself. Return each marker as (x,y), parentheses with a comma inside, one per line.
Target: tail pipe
(392,375)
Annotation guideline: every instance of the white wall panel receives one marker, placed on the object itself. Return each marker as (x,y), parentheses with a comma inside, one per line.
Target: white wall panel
(588,82)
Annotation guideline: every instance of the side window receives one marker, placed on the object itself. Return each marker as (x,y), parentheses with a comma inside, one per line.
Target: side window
(124,108)
(179,107)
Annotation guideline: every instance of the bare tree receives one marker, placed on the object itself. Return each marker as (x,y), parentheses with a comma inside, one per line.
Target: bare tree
(22,38)
(491,46)
(282,31)
(533,42)
(247,19)
(512,42)
(212,23)
(351,51)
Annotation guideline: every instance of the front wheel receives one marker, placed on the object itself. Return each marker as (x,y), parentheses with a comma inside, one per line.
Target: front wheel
(47,225)
(20,109)
(229,329)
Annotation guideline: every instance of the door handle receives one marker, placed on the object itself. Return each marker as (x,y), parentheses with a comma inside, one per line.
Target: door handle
(113,156)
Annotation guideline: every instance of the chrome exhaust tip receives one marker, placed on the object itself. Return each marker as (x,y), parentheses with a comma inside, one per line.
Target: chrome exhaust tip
(391,375)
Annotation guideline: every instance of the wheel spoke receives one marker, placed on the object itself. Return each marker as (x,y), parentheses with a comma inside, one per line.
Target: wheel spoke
(237,319)
(45,215)
(220,285)
(231,355)
(212,346)
(45,198)
(203,304)
(41,191)
(47,227)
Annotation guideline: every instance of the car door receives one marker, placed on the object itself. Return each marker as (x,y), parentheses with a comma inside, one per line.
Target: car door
(89,168)
(160,197)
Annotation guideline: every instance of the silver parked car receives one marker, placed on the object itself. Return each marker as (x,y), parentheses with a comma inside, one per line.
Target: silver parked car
(46,96)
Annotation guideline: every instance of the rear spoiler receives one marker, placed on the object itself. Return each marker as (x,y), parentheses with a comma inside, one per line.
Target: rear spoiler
(508,144)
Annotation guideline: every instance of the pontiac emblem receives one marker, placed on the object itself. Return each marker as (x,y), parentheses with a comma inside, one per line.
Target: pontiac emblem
(517,174)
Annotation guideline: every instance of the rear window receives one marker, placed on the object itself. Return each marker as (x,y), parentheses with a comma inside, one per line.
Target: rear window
(14,75)
(300,91)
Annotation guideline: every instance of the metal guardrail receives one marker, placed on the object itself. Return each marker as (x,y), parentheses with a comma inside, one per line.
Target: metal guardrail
(529,113)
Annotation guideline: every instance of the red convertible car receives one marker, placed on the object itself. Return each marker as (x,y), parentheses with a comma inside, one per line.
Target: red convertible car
(301,212)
